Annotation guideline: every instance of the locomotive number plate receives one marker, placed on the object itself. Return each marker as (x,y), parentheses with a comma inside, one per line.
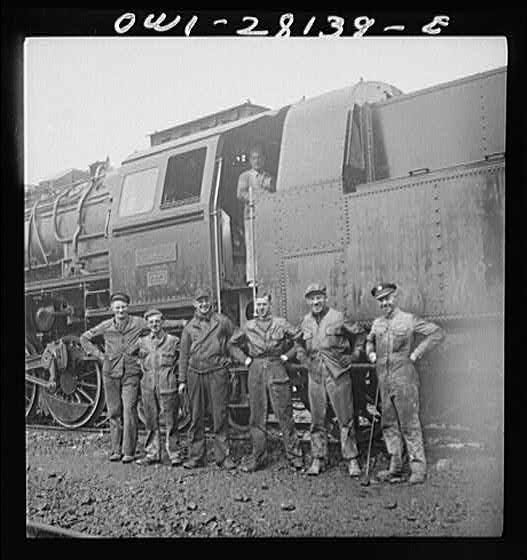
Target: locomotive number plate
(158,277)
(166,252)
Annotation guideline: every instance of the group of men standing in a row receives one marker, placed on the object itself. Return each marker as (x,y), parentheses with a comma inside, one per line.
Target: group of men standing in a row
(325,343)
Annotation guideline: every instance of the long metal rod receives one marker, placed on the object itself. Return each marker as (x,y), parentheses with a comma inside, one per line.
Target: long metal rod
(371,431)
(253,245)
(216,234)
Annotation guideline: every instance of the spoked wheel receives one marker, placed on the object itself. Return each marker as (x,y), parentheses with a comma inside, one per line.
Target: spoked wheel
(78,398)
(31,389)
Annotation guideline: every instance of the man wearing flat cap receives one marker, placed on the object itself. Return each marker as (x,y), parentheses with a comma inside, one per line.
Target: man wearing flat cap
(203,363)
(390,345)
(329,345)
(265,344)
(159,389)
(121,372)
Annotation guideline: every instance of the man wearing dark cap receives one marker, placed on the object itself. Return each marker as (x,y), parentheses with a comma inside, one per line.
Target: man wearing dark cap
(121,372)
(329,346)
(159,389)
(389,346)
(264,345)
(251,184)
(203,362)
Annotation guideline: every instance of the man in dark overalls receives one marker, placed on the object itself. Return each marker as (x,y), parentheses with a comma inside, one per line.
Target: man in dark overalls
(159,389)
(389,346)
(203,362)
(121,372)
(264,345)
(328,354)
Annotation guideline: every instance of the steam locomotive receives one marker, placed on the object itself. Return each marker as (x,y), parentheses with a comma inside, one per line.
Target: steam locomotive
(371,185)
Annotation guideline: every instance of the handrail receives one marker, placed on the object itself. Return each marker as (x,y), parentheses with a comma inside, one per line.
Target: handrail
(39,240)
(98,174)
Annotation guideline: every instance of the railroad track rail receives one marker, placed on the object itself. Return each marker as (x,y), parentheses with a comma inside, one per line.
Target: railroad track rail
(36,530)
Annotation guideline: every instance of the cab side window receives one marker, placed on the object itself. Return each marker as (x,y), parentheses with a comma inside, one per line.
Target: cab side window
(138,192)
(183,178)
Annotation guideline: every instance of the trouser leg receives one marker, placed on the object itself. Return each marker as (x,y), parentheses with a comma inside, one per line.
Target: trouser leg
(406,400)
(151,413)
(170,411)
(130,395)
(390,428)
(219,400)
(258,408)
(112,396)
(196,432)
(317,405)
(341,397)
(280,395)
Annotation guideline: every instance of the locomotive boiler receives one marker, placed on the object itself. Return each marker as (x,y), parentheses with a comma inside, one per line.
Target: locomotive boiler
(371,185)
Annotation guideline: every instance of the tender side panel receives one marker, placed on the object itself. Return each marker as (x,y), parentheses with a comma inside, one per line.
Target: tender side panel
(448,125)
(392,236)
(472,241)
(309,226)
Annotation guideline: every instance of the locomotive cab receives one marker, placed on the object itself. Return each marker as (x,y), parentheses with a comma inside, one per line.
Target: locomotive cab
(177,223)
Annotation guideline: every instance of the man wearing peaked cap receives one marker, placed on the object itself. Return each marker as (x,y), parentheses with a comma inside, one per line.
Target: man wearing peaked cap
(264,345)
(315,289)
(202,293)
(382,290)
(159,391)
(390,345)
(203,365)
(120,296)
(328,346)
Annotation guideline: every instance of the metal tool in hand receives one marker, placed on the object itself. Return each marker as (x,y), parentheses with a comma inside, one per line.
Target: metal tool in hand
(366,480)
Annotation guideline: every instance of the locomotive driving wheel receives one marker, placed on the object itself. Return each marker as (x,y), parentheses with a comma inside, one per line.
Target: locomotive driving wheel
(78,398)
(31,389)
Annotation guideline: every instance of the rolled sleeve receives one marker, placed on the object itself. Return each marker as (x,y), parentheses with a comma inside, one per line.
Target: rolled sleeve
(433,334)
(86,339)
(235,343)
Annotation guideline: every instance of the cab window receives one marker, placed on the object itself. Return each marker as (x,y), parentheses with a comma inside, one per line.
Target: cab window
(138,192)
(183,178)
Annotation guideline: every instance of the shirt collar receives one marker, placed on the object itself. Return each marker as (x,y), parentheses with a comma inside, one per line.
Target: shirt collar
(159,336)
(318,318)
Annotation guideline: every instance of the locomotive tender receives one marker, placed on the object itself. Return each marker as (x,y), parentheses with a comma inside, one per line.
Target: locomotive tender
(371,185)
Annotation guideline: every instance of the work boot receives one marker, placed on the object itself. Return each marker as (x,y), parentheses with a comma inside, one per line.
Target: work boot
(417,477)
(115,457)
(176,459)
(227,464)
(297,463)
(127,459)
(147,461)
(317,466)
(354,468)
(394,471)
(193,464)
(253,465)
